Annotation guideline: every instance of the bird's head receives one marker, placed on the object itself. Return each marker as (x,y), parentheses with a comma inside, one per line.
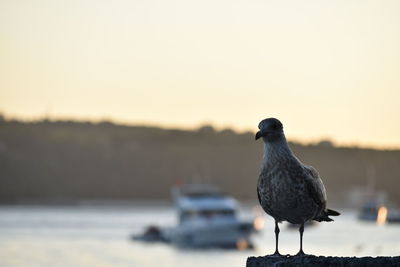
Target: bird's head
(271,129)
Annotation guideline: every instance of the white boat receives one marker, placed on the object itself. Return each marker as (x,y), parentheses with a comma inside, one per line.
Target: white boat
(377,211)
(207,218)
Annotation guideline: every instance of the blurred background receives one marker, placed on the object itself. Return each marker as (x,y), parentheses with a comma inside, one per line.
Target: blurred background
(107,106)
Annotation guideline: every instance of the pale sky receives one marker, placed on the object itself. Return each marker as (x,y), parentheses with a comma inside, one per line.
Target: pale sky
(325,68)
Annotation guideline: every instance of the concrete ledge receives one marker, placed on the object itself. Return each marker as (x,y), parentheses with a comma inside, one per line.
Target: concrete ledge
(322,261)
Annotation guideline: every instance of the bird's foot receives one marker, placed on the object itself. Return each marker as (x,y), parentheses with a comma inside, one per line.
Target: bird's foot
(301,253)
(276,255)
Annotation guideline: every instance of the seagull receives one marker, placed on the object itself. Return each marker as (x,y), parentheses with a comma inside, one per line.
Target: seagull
(287,189)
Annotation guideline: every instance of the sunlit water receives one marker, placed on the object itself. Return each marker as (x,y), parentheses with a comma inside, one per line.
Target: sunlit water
(100,236)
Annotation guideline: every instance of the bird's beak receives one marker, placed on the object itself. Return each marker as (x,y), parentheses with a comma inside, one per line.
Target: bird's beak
(258,135)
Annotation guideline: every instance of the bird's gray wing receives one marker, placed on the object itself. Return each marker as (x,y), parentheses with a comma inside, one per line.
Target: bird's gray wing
(315,187)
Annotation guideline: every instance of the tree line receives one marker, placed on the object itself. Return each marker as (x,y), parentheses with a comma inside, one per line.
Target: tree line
(67,161)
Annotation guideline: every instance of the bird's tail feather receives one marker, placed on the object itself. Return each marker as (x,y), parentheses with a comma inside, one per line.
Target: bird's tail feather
(325,216)
(332,212)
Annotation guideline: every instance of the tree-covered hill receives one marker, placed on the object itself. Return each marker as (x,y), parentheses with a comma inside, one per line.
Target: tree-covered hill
(57,161)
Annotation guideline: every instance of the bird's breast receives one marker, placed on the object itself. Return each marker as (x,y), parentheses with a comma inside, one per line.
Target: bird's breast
(285,197)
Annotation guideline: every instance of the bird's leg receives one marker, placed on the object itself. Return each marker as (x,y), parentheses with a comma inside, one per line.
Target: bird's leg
(276,254)
(301,230)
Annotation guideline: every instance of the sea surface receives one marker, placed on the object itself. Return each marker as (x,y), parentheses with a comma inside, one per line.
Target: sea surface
(100,235)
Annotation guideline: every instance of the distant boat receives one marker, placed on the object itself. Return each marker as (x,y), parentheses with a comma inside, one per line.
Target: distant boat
(369,210)
(206,218)
(376,211)
(374,206)
(151,234)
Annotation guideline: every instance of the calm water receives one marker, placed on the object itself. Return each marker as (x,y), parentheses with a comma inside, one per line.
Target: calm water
(100,236)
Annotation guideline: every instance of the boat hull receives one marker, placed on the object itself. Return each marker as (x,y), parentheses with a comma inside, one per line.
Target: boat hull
(235,235)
